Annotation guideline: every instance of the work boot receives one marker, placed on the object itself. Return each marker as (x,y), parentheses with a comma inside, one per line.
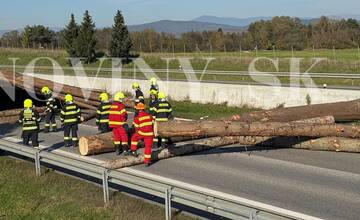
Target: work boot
(119,149)
(131,153)
(54,130)
(76,144)
(148,164)
(46,130)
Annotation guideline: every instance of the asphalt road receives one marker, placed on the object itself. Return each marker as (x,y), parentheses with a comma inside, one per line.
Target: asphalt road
(322,184)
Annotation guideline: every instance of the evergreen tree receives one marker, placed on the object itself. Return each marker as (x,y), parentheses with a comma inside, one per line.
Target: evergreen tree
(86,41)
(120,44)
(71,33)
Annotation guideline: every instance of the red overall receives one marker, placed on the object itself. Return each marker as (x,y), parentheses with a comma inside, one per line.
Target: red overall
(144,130)
(118,118)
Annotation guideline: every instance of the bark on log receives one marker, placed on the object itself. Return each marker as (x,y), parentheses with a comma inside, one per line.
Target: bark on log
(16,112)
(337,144)
(342,111)
(102,143)
(185,148)
(205,129)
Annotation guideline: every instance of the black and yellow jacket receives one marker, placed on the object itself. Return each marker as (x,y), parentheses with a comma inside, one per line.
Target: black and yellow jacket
(103,113)
(163,110)
(29,119)
(152,107)
(50,104)
(139,96)
(70,114)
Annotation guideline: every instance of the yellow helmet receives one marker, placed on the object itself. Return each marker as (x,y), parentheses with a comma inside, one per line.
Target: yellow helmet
(45,90)
(104,96)
(69,98)
(153,92)
(161,95)
(135,85)
(119,96)
(28,103)
(153,81)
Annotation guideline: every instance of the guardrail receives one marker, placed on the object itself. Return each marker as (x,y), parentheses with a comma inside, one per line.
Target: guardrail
(204,199)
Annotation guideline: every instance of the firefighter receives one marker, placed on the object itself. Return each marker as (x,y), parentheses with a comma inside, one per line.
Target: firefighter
(50,111)
(153,103)
(102,119)
(139,95)
(117,121)
(152,111)
(29,119)
(153,85)
(70,117)
(163,114)
(144,130)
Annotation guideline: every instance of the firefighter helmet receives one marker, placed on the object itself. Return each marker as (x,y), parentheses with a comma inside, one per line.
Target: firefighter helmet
(119,96)
(45,90)
(135,85)
(28,103)
(104,97)
(161,95)
(153,81)
(69,98)
(140,106)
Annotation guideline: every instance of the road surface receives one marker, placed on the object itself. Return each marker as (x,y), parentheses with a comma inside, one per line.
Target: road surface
(321,184)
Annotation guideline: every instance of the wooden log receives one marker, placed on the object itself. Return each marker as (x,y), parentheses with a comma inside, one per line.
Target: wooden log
(203,129)
(342,111)
(16,112)
(337,144)
(185,148)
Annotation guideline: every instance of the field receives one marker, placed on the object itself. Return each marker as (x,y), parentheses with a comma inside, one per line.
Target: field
(337,61)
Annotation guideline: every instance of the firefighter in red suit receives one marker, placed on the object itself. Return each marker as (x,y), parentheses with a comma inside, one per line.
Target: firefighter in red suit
(144,130)
(117,121)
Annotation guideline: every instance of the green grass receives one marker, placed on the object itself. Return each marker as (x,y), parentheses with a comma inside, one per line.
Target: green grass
(191,110)
(344,61)
(55,196)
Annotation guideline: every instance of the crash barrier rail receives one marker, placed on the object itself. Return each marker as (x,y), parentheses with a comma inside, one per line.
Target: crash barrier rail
(198,72)
(197,197)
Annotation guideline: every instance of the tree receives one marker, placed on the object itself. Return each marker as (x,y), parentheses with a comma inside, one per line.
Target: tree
(86,41)
(120,44)
(71,33)
(11,39)
(37,36)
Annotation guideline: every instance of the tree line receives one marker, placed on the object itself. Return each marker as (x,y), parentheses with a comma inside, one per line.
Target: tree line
(280,33)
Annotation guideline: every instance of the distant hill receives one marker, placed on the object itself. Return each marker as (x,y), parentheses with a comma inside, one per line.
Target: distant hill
(179,27)
(239,22)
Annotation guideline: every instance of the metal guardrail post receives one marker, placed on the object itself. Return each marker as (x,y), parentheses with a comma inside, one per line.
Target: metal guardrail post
(37,163)
(253,215)
(106,185)
(168,203)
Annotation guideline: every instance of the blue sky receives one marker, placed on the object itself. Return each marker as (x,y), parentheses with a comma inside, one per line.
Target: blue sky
(55,13)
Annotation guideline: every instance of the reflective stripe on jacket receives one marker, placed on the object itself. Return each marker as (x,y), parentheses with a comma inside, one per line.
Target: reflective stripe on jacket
(70,114)
(144,124)
(117,115)
(29,118)
(103,112)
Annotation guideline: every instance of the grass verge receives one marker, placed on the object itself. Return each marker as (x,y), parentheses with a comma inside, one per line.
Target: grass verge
(55,196)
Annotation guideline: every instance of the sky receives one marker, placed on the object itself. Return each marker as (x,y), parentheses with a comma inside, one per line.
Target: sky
(55,13)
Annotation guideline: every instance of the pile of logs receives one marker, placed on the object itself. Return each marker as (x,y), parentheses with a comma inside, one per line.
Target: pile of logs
(88,104)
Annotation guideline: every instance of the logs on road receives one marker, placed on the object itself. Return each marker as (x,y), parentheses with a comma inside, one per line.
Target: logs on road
(102,143)
(342,111)
(203,129)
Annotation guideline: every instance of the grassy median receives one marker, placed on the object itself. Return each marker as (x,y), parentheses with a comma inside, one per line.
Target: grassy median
(56,196)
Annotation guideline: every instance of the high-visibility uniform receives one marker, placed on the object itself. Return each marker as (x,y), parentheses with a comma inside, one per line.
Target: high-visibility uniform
(152,111)
(70,117)
(102,119)
(139,97)
(117,120)
(163,114)
(29,119)
(50,113)
(144,130)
